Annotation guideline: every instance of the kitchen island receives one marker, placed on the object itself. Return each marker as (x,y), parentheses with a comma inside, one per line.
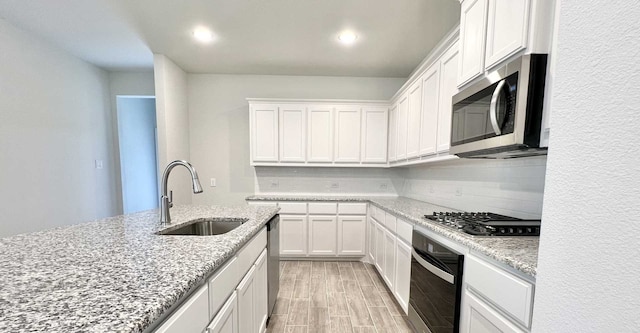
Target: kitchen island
(116,274)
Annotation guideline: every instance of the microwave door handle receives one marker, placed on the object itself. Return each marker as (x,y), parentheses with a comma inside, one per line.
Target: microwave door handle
(493,109)
(431,268)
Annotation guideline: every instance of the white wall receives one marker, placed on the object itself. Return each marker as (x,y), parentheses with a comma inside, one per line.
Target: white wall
(588,264)
(173,124)
(330,181)
(55,120)
(219,122)
(126,84)
(509,187)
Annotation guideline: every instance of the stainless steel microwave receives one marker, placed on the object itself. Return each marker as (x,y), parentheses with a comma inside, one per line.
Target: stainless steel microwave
(501,116)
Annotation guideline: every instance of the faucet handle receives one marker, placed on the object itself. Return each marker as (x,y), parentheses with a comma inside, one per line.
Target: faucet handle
(170,199)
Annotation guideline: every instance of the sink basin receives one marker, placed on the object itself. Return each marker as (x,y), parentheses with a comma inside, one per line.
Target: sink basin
(206,227)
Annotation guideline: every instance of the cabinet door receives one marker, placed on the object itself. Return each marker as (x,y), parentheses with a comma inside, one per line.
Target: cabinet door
(374,134)
(320,129)
(478,317)
(393,133)
(448,88)
(226,321)
(351,235)
(191,316)
(293,135)
(246,298)
(403,273)
(403,113)
(322,235)
(372,240)
(264,133)
(430,109)
(347,147)
(293,235)
(260,293)
(380,248)
(473,23)
(389,258)
(507,29)
(413,126)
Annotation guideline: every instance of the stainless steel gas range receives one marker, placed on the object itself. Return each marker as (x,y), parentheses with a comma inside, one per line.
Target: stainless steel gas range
(487,224)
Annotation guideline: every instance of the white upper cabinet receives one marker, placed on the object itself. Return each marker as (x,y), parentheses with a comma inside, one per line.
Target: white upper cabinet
(507,29)
(430,108)
(374,134)
(264,133)
(403,113)
(393,133)
(320,134)
(347,134)
(293,136)
(448,88)
(413,126)
(473,24)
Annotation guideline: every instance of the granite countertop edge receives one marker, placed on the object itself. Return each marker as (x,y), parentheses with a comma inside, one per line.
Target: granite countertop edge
(492,247)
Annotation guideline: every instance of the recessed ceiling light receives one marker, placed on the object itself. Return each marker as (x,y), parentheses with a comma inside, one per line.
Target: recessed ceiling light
(347,37)
(203,34)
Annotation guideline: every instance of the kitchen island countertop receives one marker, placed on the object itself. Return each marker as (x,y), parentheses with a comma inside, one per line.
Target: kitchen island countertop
(113,275)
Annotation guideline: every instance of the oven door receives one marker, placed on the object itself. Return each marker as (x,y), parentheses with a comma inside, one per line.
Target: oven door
(436,279)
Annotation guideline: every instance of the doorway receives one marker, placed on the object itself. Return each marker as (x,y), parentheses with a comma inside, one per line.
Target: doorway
(137,137)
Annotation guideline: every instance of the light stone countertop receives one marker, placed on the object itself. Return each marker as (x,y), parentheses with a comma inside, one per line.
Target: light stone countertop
(115,274)
(520,253)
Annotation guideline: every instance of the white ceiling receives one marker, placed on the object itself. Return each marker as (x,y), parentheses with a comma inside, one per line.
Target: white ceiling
(279,37)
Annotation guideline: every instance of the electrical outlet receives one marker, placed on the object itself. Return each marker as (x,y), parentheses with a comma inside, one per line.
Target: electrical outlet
(99,164)
(335,185)
(383,186)
(275,183)
(458,191)
(430,188)
(213,182)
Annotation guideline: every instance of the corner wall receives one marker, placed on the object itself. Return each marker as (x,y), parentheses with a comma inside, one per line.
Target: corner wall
(55,121)
(173,125)
(588,264)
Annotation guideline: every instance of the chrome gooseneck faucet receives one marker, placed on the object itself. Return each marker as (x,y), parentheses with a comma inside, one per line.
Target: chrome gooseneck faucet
(166,202)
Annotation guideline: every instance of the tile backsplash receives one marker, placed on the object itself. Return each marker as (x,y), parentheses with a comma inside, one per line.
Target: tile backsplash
(512,187)
(336,181)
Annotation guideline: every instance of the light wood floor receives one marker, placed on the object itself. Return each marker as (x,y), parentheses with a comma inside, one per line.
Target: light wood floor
(334,297)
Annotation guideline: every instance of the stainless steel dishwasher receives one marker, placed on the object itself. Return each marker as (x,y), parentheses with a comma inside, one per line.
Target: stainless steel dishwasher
(273,261)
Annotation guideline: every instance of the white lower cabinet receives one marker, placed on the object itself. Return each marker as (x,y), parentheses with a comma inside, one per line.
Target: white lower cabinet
(478,317)
(379,263)
(351,235)
(246,295)
(226,321)
(260,286)
(389,258)
(372,240)
(322,235)
(293,235)
(191,316)
(403,273)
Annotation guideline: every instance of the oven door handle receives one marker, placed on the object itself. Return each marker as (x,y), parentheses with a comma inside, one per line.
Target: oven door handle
(493,109)
(431,268)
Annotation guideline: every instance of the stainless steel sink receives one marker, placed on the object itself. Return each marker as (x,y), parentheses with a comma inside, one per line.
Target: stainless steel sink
(206,227)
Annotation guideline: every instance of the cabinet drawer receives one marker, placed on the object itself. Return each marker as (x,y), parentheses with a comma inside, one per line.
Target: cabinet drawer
(293,207)
(222,284)
(192,316)
(250,252)
(404,230)
(327,208)
(505,290)
(390,222)
(352,208)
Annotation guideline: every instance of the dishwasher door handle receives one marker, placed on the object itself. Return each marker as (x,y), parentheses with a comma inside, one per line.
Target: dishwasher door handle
(431,268)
